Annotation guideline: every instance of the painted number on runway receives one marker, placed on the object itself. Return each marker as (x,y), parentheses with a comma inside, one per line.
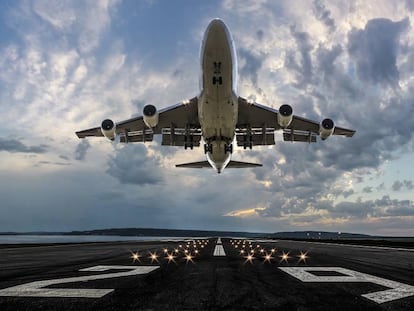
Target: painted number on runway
(396,290)
(37,289)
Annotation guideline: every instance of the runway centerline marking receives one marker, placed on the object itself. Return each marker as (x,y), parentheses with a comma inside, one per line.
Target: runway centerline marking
(37,288)
(397,290)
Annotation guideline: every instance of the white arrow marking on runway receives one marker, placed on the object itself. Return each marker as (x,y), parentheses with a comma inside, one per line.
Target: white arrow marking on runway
(36,289)
(397,290)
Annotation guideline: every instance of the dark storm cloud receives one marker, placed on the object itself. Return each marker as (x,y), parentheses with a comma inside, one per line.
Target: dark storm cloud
(13,146)
(409,5)
(400,185)
(367,190)
(132,165)
(303,65)
(326,86)
(251,67)
(81,150)
(374,50)
(382,207)
(323,14)
(260,34)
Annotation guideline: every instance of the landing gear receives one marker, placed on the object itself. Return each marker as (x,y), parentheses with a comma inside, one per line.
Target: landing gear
(228,148)
(208,148)
(188,145)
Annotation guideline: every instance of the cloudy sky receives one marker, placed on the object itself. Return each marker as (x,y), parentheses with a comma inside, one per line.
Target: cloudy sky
(67,65)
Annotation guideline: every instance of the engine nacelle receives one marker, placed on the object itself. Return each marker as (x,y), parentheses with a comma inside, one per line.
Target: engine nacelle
(150,116)
(326,128)
(108,129)
(285,115)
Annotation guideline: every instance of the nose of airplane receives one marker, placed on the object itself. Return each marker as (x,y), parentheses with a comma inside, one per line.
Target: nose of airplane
(217,24)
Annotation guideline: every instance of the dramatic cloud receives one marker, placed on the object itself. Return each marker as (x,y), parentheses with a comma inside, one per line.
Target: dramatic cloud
(301,65)
(13,145)
(134,165)
(81,150)
(399,185)
(375,48)
(323,14)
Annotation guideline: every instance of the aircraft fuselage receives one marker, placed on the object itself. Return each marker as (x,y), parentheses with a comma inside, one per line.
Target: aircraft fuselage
(217,102)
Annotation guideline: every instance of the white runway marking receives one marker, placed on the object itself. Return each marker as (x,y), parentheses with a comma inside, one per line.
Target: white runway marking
(397,290)
(219,251)
(36,289)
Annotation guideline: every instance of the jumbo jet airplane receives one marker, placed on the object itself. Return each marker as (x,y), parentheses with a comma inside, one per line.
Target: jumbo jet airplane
(217,115)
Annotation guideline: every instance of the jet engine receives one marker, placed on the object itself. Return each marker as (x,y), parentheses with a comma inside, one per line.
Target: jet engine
(108,129)
(326,128)
(150,116)
(284,117)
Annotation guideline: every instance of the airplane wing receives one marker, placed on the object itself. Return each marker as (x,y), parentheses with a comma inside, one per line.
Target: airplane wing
(257,123)
(177,123)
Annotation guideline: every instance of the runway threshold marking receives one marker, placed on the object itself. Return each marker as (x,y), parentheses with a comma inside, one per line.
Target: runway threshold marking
(37,289)
(219,250)
(397,290)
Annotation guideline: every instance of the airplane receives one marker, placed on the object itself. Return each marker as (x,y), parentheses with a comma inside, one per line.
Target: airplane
(217,116)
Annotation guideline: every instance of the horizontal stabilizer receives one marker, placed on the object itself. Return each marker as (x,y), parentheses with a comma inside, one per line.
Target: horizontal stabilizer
(232,164)
(201,164)
(237,164)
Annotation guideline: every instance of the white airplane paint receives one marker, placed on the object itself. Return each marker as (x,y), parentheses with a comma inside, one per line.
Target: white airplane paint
(37,289)
(217,115)
(396,290)
(218,102)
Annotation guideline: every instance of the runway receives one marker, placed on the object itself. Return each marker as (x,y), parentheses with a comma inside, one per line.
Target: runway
(205,274)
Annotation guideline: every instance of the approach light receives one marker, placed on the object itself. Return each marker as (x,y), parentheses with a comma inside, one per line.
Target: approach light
(303,257)
(273,250)
(154,257)
(249,258)
(284,257)
(170,258)
(189,258)
(268,258)
(135,257)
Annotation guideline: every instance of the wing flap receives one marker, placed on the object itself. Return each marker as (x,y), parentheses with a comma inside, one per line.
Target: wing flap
(301,136)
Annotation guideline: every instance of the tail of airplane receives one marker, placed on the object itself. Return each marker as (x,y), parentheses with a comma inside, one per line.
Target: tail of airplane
(232,164)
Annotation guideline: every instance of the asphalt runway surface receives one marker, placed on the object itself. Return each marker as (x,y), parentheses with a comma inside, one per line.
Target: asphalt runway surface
(218,275)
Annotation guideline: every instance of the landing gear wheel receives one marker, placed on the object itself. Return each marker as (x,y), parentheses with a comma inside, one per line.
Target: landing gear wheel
(228,148)
(208,148)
